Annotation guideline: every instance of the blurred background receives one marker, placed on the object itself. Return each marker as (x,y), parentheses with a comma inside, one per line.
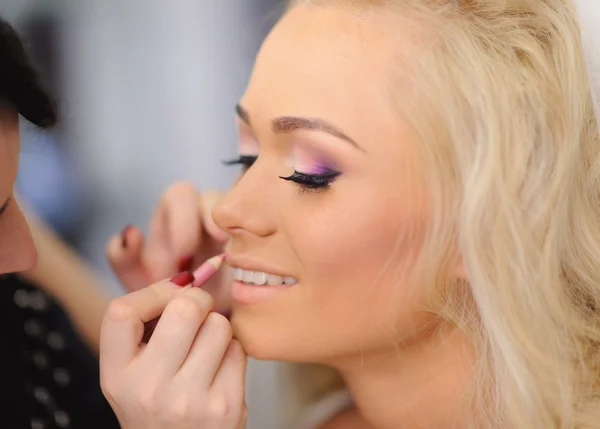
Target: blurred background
(146,90)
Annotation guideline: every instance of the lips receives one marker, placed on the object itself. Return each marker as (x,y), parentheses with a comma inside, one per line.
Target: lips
(256,282)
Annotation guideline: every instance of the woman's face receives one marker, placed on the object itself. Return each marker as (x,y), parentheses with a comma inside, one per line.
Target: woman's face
(17,251)
(319,111)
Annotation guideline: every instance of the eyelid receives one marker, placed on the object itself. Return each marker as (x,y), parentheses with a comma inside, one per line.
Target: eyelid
(311,152)
(326,171)
(314,163)
(311,182)
(244,127)
(245,130)
(248,143)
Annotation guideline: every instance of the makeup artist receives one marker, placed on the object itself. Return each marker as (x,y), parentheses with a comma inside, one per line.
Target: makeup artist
(49,329)
(41,395)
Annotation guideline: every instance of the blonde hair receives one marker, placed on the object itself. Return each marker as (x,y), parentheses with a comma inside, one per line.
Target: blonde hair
(510,146)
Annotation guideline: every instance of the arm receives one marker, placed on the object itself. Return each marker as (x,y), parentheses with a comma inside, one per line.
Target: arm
(66,276)
(70,280)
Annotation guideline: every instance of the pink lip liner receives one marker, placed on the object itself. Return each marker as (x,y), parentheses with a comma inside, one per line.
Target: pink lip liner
(207,270)
(202,274)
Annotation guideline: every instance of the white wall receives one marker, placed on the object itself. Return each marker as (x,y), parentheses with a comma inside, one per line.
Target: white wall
(151,88)
(151,96)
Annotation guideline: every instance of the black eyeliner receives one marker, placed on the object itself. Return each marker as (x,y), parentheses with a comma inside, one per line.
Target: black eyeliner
(305,181)
(312,181)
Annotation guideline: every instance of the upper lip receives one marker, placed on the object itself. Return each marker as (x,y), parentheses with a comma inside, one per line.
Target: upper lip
(250,265)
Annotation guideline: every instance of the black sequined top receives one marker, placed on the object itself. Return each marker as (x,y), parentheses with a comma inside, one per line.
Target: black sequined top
(48,378)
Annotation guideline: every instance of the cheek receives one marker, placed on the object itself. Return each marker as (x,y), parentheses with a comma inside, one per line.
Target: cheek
(355,250)
(363,244)
(17,250)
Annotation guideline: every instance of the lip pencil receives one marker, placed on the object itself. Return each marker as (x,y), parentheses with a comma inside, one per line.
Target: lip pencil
(202,274)
(207,270)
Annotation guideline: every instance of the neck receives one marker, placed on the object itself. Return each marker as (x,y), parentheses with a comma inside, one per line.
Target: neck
(416,387)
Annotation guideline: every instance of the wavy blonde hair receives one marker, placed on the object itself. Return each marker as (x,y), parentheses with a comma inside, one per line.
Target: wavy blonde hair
(511,150)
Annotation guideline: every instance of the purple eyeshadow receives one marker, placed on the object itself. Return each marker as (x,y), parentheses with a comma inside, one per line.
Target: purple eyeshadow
(319,168)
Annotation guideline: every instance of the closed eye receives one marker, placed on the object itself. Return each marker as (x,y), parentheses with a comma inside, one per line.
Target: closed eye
(312,181)
(304,180)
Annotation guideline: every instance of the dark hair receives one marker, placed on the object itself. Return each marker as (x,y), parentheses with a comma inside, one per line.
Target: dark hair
(20,82)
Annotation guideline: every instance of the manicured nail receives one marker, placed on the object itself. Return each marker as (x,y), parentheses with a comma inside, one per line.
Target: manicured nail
(124,235)
(183,279)
(185,263)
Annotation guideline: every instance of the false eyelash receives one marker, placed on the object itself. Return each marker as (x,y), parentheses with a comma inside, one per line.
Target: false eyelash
(312,181)
(245,160)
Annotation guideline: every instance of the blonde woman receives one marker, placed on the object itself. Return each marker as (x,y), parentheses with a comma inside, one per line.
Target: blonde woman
(419,213)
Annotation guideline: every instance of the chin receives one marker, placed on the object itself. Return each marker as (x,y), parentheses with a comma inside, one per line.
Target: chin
(280,339)
(258,342)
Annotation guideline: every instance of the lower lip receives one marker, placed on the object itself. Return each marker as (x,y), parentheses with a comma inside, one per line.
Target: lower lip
(243,293)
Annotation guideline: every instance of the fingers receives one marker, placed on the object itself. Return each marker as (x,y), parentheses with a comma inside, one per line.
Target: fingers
(182,234)
(244,421)
(176,331)
(175,231)
(190,374)
(206,203)
(123,324)
(184,227)
(230,381)
(124,254)
(207,351)
(231,375)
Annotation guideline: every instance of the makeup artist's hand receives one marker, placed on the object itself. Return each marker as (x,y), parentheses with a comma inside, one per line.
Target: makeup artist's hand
(189,375)
(182,234)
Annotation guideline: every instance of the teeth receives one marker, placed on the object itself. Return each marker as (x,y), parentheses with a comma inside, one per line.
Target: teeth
(247,276)
(260,278)
(273,279)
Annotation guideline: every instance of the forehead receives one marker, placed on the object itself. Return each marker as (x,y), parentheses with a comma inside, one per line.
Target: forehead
(326,62)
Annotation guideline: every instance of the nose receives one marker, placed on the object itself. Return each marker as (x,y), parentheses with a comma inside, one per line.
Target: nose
(17,249)
(250,205)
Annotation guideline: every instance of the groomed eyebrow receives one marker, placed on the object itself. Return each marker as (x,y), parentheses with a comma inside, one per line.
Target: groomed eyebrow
(287,124)
(5,206)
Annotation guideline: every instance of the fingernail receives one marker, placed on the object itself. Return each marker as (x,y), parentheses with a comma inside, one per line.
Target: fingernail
(124,235)
(183,279)
(185,263)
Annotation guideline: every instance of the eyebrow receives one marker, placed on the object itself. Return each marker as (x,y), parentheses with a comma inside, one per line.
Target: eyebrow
(287,124)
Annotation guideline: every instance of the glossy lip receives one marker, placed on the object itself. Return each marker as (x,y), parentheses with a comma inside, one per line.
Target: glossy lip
(247,264)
